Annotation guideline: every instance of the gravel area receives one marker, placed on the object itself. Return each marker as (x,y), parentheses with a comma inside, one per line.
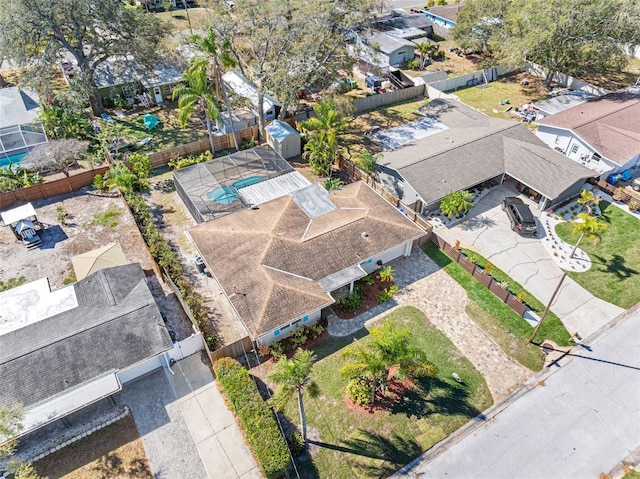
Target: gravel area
(82,231)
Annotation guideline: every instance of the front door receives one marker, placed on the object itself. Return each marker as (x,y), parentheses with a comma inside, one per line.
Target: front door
(158,95)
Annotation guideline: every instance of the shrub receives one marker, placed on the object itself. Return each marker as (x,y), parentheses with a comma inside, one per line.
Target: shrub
(331,184)
(98,182)
(351,302)
(255,418)
(299,336)
(369,280)
(487,268)
(504,284)
(178,163)
(522,295)
(386,273)
(359,391)
(386,294)
(296,444)
(316,330)
(413,64)
(278,350)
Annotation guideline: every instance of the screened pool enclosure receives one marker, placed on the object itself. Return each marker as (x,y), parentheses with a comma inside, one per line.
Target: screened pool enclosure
(16,141)
(211,189)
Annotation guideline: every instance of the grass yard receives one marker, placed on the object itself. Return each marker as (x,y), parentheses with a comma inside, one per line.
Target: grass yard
(114,452)
(508,329)
(352,442)
(615,273)
(487,99)
(166,135)
(201,18)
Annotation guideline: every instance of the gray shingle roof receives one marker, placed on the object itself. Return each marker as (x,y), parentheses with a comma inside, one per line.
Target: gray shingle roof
(18,106)
(476,148)
(116,324)
(388,44)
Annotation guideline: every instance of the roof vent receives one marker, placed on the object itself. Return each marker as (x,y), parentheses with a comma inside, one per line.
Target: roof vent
(364,234)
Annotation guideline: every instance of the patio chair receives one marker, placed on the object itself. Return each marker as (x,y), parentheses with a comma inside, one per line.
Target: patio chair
(107,118)
(150,121)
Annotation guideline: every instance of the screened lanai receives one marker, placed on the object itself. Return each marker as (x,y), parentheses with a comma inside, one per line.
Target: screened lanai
(210,189)
(16,141)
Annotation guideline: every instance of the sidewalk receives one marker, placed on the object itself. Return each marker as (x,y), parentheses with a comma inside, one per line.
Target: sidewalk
(213,429)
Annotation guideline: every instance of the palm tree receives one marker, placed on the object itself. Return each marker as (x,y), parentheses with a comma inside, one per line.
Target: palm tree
(589,200)
(386,273)
(589,227)
(426,51)
(222,60)
(319,151)
(292,376)
(120,178)
(368,161)
(197,95)
(456,202)
(323,133)
(389,346)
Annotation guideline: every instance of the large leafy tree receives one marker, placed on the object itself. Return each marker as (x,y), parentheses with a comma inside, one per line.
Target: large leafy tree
(389,347)
(575,37)
(38,32)
(197,95)
(292,376)
(10,427)
(283,46)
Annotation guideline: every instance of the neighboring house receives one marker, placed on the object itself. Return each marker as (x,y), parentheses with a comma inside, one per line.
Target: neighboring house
(245,89)
(394,51)
(559,103)
(279,264)
(138,85)
(467,148)
(403,25)
(242,119)
(19,130)
(602,133)
(64,349)
(443,15)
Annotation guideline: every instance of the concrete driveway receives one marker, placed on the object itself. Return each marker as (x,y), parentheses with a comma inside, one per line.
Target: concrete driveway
(487,231)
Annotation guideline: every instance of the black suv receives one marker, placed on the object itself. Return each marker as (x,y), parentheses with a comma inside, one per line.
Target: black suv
(522,220)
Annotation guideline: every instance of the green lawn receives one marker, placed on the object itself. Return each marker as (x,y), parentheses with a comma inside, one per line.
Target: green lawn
(487,99)
(508,328)
(356,443)
(615,273)
(166,135)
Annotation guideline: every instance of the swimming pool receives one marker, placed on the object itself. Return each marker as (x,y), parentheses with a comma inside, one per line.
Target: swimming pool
(252,180)
(6,161)
(223,195)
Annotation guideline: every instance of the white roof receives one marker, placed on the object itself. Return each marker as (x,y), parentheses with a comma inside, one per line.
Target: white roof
(72,400)
(280,130)
(33,302)
(17,214)
(274,188)
(243,88)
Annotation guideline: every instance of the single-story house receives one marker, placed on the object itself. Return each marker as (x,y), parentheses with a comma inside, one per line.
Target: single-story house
(396,21)
(467,148)
(245,89)
(395,51)
(602,133)
(64,349)
(284,139)
(126,77)
(19,127)
(278,264)
(443,15)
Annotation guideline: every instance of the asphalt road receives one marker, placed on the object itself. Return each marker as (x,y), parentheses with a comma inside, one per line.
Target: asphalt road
(391,5)
(584,420)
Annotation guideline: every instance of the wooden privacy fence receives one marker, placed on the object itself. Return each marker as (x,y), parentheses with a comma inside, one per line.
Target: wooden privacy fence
(381,99)
(233,350)
(481,276)
(356,174)
(50,188)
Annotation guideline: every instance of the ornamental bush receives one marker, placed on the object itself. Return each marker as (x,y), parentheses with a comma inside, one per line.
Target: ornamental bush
(359,391)
(255,418)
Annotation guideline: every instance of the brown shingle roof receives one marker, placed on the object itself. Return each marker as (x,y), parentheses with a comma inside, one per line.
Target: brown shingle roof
(268,261)
(610,124)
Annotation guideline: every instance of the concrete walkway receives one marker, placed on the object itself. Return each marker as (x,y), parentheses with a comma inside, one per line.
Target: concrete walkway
(488,232)
(213,429)
(427,287)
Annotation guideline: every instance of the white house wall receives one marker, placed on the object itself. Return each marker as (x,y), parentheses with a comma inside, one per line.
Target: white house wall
(284,332)
(400,56)
(140,369)
(371,264)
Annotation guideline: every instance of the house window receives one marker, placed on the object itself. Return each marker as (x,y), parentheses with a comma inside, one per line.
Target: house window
(285,327)
(295,322)
(402,53)
(574,149)
(305,319)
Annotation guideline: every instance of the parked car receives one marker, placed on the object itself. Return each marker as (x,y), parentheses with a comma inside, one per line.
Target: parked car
(520,216)
(635,184)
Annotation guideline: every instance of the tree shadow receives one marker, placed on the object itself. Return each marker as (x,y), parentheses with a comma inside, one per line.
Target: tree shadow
(478,222)
(51,236)
(431,396)
(615,266)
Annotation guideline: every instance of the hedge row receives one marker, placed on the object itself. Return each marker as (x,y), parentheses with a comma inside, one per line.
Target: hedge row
(168,259)
(255,417)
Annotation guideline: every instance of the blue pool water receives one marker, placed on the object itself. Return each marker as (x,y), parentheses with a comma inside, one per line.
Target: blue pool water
(6,161)
(223,195)
(252,180)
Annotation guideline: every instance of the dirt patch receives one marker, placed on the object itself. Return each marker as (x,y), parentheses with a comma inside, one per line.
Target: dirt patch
(115,451)
(90,221)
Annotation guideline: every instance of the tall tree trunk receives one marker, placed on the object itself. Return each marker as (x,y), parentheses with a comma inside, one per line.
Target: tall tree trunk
(96,102)
(260,108)
(549,79)
(575,248)
(303,417)
(206,115)
(3,83)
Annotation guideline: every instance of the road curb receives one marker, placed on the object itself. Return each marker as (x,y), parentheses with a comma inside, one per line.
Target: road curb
(487,416)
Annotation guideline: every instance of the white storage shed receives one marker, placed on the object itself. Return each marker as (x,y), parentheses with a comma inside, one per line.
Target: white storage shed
(284,139)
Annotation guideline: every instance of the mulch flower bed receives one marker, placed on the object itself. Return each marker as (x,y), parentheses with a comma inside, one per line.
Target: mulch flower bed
(369,298)
(396,390)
